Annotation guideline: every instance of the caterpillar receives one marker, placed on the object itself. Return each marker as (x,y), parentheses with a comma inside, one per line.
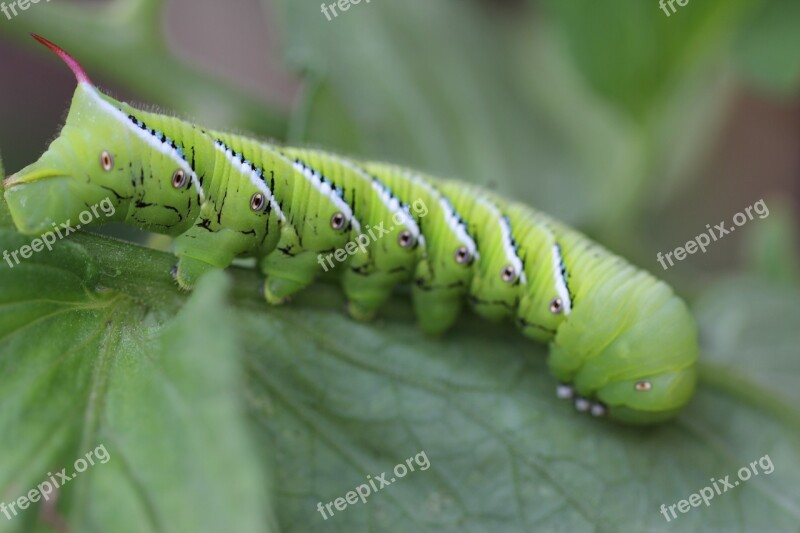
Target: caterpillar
(622,344)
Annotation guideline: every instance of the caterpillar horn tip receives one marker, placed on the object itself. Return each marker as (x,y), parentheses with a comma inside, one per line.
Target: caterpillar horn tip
(76,68)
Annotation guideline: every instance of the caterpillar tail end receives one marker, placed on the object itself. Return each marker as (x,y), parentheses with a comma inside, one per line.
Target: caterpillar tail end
(637,401)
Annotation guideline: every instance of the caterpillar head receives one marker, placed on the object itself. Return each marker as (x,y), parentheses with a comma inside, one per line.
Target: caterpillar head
(628,349)
(95,161)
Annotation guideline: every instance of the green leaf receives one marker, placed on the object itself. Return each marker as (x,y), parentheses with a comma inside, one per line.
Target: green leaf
(347,401)
(90,360)
(91,354)
(767,49)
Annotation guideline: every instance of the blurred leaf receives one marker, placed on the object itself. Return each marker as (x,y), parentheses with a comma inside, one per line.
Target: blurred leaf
(768,50)
(754,345)
(640,96)
(625,167)
(771,246)
(633,53)
(441,102)
(86,366)
(123,40)
(594,132)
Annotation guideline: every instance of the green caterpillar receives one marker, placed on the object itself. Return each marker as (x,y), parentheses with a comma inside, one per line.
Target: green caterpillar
(622,343)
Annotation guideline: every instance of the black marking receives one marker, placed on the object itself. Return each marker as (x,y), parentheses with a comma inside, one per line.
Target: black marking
(160,136)
(565,275)
(514,244)
(115,193)
(334,187)
(459,219)
(205,224)
(177,212)
(403,206)
(475,300)
(148,224)
(266,233)
(523,324)
(242,159)
(221,204)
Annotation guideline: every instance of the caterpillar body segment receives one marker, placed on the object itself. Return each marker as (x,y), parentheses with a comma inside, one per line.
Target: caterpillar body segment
(446,268)
(622,343)
(386,242)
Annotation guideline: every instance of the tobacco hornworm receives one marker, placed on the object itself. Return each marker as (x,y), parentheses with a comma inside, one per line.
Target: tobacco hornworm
(621,342)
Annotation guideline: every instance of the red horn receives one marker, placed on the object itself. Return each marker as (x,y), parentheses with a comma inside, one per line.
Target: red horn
(76,68)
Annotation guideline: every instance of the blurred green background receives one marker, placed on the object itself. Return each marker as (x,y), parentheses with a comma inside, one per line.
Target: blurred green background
(637,128)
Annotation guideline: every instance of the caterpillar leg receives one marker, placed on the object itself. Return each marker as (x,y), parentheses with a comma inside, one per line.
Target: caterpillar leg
(200,251)
(366,294)
(287,275)
(437,302)
(189,270)
(368,286)
(436,309)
